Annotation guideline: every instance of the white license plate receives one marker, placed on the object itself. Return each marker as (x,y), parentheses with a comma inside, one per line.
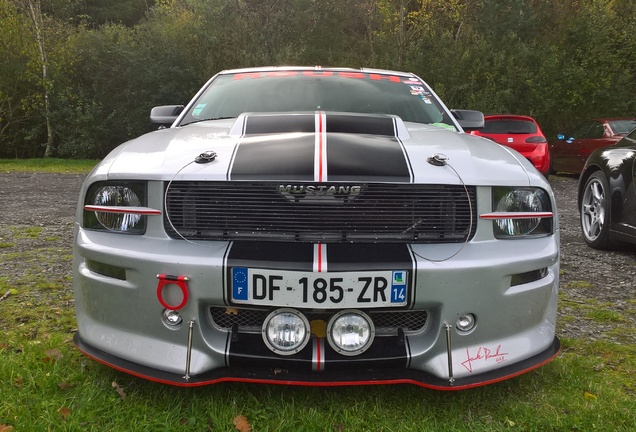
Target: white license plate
(328,290)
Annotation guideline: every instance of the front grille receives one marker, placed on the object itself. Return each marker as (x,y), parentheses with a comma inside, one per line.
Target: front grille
(386,323)
(337,213)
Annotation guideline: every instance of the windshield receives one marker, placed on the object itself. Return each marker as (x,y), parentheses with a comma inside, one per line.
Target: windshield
(622,126)
(294,91)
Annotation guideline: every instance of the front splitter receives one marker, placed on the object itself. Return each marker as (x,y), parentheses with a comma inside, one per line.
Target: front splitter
(320,379)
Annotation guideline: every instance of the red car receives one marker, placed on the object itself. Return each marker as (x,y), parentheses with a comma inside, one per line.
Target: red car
(521,133)
(570,151)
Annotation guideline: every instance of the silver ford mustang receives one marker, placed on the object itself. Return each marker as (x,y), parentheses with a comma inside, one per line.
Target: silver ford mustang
(316,226)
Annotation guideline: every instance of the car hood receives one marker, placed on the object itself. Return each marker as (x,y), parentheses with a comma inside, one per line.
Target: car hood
(289,148)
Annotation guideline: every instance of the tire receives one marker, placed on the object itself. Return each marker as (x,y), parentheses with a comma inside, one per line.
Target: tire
(594,211)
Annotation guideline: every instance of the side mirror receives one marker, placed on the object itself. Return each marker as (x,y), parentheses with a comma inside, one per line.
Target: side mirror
(469,119)
(165,114)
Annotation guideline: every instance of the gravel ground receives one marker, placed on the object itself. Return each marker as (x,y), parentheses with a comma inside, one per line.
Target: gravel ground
(589,279)
(606,279)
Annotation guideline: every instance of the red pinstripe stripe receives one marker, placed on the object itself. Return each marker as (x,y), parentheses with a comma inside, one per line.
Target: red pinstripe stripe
(318,356)
(320,148)
(319,257)
(516,215)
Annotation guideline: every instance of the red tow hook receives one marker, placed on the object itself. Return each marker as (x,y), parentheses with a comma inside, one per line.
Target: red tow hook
(180,281)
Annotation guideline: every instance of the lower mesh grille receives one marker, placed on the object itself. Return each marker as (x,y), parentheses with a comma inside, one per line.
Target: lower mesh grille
(386,323)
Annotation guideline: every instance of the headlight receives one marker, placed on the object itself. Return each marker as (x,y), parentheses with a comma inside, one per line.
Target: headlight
(120,202)
(521,212)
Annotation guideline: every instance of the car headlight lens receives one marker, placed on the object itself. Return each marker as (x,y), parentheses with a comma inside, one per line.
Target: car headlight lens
(350,332)
(114,195)
(521,203)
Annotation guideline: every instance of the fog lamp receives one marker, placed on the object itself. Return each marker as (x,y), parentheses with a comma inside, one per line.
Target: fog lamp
(466,322)
(286,331)
(171,317)
(350,332)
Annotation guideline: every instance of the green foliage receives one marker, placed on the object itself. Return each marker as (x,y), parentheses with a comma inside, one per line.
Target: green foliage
(111,62)
(18,75)
(128,12)
(95,13)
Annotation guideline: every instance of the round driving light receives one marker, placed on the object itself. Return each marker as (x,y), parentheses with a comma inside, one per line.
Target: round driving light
(466,322)
(172,317)
(286,331)
(350,332)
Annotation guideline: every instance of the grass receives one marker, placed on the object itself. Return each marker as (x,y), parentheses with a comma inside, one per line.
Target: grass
(33,232)
(580,284)
(47,385)
(605,316)
(49,165)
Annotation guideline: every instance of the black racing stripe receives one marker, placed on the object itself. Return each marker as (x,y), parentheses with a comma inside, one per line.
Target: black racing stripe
(275,158)
(249,350)
(264,124)
(270,255)
(371,125)
(359,148)
(300,256)
(263,156)
(353,257)
(354,157)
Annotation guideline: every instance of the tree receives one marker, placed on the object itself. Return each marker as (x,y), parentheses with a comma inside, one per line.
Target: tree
(33,9)
(17,78)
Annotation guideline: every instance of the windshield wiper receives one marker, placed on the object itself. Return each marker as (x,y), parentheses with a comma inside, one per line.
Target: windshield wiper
(207,119)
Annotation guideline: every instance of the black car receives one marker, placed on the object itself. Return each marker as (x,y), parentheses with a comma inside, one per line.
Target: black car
(607,195)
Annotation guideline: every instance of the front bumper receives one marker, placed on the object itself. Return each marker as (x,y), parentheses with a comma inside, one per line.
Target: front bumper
(120,319)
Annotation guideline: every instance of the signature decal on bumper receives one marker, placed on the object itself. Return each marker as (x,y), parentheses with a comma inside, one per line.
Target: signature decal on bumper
(483,354)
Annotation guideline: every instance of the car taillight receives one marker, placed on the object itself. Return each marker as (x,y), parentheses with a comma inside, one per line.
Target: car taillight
(536,139)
